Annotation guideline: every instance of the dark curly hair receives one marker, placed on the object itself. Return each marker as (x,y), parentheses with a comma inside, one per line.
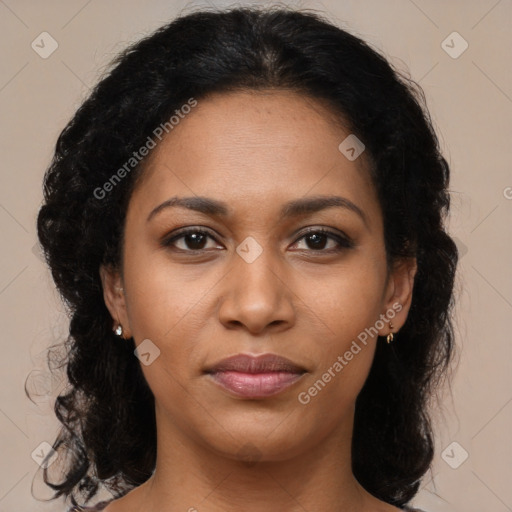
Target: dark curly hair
(108,431)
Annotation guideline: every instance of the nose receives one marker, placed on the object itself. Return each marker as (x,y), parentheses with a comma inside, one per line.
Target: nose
(256,296)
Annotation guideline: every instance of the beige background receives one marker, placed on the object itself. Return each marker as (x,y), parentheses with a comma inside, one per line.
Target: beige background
(470,98)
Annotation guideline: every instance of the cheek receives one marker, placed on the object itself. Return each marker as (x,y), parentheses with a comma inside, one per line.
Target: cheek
(344,359)
(348,305)
(169,315)
(162,297)
(344,301)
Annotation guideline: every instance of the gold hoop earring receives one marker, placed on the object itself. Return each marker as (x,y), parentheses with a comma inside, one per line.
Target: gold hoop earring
(390,336)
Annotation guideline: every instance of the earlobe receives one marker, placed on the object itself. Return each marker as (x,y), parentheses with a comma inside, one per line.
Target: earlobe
(113,295)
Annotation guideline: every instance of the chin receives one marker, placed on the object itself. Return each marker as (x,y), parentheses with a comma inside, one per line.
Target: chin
(256,444)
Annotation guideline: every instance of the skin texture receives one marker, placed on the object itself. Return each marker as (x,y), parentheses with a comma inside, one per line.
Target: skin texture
(254,151)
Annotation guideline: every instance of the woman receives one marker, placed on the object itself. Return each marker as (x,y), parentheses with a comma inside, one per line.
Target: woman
(246,220)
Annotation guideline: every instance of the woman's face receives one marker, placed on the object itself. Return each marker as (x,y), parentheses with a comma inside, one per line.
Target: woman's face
(255,276)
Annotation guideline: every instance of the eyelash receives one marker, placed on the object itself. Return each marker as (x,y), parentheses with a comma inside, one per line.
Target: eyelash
(343,242)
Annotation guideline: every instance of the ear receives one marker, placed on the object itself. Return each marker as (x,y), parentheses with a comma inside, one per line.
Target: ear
(398,294)
(113,294)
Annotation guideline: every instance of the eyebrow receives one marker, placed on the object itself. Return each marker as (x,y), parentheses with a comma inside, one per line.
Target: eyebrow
(297,207)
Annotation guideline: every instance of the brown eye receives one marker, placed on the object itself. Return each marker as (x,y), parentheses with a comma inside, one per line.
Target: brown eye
(317,240)
(191,240)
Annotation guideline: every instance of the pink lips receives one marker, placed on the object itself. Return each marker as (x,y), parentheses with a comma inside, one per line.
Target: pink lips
(250,376)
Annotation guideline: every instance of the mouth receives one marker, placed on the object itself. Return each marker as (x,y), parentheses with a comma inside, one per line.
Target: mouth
(254,377)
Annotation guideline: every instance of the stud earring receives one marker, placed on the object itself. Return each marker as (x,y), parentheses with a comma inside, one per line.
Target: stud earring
(390,336)
(119,330)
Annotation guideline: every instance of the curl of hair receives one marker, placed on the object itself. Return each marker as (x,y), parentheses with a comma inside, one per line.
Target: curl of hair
(108,413)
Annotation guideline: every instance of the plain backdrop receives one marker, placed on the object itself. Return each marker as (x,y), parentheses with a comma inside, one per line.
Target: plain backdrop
(469,94)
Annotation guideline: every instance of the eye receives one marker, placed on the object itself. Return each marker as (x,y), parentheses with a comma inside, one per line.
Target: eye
(317,239)
(196,240)
(192,240)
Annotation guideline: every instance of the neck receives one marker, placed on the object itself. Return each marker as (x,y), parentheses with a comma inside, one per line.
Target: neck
(192,477)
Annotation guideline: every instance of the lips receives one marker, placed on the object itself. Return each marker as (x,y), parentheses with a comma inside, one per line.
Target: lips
(265,363)
(249,376)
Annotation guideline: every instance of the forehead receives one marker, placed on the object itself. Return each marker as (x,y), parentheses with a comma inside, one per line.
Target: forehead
(258,148)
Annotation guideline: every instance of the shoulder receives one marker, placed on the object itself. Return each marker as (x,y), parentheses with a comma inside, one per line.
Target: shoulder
(101,506)
(96,508)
